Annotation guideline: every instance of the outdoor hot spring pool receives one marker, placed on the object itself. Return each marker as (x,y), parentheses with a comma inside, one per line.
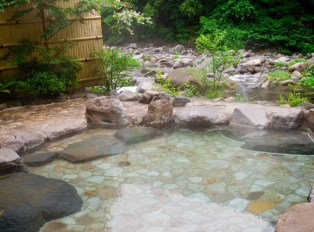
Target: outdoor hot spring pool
(180,182)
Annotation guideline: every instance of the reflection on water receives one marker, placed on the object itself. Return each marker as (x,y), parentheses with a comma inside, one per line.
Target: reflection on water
(179,182)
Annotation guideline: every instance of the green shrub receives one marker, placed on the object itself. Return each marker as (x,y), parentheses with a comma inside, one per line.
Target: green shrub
(279,64)
(294,99)
(279,75)
(299,60)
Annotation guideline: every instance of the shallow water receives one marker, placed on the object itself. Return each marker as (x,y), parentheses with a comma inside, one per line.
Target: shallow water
(179,182)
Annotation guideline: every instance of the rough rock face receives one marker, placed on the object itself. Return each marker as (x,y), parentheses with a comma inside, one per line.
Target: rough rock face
(180,101)
(105,112)
(298,218)
(197,117)
(281,142)
(23,141)
(298,67)
(288,119)
(10,162)
(91,149)
(228,84)
(28,201)
(148,96)
(254,117)
(128,96)
(145,86)
(136,135)
(56,130)
(310,118)
(159,113)
(40,159)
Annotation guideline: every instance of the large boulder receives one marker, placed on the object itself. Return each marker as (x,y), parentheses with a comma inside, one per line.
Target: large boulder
(28,201)
(288,119)
(159,113)
(129,96)
(136,135)
(105,112)
(40,159)
(23,141)
(10,162)
(200,117)
(228,84)
(57,130)
(298,67)
(179,48)
(258,118)
(310,118)
(281,142)
(148,96)
(91,149)
(187,62)
(182,75)
(299,218)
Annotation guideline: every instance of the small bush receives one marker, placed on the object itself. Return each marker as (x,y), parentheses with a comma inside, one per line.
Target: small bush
(279,75)
(279,64)
(299,60)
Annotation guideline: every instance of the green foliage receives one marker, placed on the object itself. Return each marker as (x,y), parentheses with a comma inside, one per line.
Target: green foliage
(176,54)
(294,98)
(43,79)
(309,80)
(6,82)
(191,91)
(112,66)
(7,3)
(168,87)
(279,75)
(220,59)
(299,60)
(279,64)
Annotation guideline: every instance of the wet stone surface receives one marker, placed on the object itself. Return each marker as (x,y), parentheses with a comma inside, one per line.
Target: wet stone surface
(180,182)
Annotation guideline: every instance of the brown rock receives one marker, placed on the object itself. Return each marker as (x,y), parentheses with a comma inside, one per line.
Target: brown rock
(159,113)
(310,118)
(257,207)
(298,67)
(106,112)
(298,218)
(148,96)
(10,162)
(288,119)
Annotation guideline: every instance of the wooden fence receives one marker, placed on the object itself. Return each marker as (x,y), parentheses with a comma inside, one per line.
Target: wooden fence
(87,36)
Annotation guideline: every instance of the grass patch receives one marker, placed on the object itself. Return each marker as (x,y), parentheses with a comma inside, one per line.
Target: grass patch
(279,75)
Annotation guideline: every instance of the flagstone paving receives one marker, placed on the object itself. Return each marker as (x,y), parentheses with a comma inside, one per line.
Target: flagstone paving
(180,182)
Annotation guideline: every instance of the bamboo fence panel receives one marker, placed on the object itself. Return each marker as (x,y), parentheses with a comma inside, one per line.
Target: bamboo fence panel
(87,37)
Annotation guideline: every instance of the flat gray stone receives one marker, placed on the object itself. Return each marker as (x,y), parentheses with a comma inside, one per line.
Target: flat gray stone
(10,162)
(57,130)
(136,135)
(40,159)
(91,149)
(180,101)
(128,96)
(23,141)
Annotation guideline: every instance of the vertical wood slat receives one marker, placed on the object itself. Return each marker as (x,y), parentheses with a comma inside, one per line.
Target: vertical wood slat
(12,33)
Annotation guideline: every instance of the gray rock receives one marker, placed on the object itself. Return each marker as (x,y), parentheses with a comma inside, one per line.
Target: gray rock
(179,48)
(40,159)
(148,96)
(59,99)
(247,69)
(287,82)
(218,99)
(230,99)
(177,64)
(258,118)
(311,60)
(106,112)
(265,84)
(29,201)
(133,45)
(298,67)
(295,75)
(310,118)
(146,70)
(57,130)
(90,95)
(200,117)
(281,142)
(136,135)
(3,106)
(92,148)
(159,114)
(306,105)
(181,75)
(10,162)
(187,62)
(288,119)
(23,141)
(145,86)
(180,101)
(150,73)
(129,96)
(75,96)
